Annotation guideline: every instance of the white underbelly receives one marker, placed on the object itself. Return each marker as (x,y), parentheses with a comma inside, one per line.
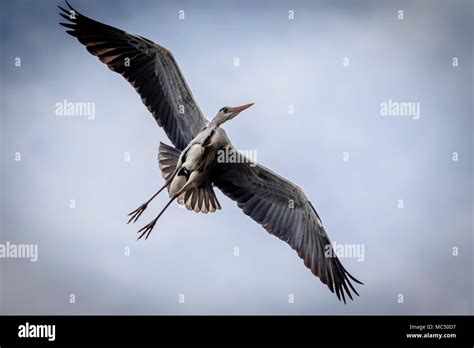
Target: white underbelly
(193,157)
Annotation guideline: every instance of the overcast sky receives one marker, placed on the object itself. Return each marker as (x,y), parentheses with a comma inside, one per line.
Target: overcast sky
(283,62)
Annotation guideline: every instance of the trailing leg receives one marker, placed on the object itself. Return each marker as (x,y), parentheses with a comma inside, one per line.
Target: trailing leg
(148,228)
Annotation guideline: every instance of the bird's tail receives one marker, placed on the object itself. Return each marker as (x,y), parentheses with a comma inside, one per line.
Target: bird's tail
(202,199)
(167,159)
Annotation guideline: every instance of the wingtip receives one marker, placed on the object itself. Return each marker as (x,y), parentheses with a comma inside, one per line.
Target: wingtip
(354,279)
(63,9)
(69,5)
(66,17)
(71,8)
(343,297)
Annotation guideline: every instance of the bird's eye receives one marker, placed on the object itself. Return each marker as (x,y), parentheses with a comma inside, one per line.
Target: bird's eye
(224,110)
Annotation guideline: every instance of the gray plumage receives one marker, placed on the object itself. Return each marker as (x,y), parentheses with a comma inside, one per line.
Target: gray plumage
(283,209)
(150,68)
(191,168)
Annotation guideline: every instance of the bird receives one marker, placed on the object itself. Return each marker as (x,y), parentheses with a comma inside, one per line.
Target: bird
(192,167)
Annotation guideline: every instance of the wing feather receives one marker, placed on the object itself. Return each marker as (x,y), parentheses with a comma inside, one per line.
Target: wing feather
(283,209)
(150,68)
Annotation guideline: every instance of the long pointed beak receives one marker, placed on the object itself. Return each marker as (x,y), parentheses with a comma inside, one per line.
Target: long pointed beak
(241,108)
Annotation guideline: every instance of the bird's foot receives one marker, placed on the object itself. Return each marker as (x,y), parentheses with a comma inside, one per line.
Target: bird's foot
(136,213)
(147,229)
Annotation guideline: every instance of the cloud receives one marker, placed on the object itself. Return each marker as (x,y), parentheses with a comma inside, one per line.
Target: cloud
(82,250)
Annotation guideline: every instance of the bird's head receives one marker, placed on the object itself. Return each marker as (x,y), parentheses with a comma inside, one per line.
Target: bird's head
(228,112)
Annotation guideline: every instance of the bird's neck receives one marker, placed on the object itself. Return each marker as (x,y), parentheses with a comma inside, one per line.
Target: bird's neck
(218,120)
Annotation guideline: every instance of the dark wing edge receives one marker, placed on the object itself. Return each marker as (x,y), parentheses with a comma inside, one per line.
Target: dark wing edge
(150,68)
(266,198)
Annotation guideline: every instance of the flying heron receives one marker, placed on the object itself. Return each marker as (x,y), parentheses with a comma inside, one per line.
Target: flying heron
(191,168)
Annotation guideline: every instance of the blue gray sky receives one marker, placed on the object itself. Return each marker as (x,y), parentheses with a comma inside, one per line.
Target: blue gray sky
(300,62)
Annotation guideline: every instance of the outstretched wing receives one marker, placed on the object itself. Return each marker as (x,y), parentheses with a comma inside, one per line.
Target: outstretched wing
(149,67)
(284,210)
